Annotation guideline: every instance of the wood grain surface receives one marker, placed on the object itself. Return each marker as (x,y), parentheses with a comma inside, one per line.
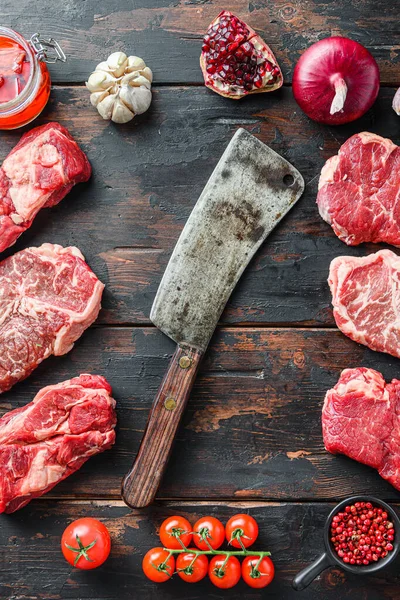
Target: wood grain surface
(147,176)
(252,425)
(250,439)
(168,35)
(33,567)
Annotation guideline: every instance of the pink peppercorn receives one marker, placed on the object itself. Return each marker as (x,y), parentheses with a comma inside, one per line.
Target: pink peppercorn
(362,533)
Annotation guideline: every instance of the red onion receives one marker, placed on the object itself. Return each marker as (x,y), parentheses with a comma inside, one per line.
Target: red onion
(336,81)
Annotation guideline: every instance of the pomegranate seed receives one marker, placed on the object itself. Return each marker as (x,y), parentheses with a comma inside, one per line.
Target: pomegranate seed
(232,46)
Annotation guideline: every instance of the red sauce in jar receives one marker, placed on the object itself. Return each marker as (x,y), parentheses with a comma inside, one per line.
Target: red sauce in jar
(15,69)
(24,81)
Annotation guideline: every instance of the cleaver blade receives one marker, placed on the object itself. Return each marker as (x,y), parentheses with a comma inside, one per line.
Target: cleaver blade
(250,190)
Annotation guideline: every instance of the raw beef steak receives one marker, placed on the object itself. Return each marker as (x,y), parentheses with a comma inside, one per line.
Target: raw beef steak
(41,169)
(361,418)
(359,191)
(366,299)
(52,436)
(48,297)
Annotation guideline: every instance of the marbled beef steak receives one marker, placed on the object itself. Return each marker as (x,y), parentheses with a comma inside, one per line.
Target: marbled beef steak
(359,191)
(52,436)
(48,297)
(366,299)
(361,418)
(41,169)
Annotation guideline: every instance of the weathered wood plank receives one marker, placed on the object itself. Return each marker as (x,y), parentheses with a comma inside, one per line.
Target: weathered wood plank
(169,36)
(252,426)
(148,175)
(33,566)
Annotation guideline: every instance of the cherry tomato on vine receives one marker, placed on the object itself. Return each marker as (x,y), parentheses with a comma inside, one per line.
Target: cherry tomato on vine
(256,572)
(86,543)
(157,566)
(241,531)
(190,568)
(210,529)
(174,529)
(224,573)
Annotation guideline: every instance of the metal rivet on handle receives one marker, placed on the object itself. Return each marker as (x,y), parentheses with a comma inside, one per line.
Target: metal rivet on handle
(185,362)
(170,403)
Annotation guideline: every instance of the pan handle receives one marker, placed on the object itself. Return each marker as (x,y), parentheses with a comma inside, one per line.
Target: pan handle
(140,485)
(307,575)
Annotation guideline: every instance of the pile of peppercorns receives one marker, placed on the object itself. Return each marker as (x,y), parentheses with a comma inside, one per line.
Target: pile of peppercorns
(362,534)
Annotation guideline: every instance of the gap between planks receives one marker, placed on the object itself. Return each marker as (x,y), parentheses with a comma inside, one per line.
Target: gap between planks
(226,327)
(163,84)
(228,501)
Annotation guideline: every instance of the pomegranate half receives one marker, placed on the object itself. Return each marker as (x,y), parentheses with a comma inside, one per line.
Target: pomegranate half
(235,61)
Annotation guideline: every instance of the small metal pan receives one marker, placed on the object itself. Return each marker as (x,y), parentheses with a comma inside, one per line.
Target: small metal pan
(329,558)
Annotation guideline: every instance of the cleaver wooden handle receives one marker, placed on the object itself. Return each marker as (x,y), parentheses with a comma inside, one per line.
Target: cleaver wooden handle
(140,485)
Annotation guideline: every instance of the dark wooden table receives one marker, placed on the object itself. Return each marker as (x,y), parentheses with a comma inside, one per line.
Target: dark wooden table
(251,437)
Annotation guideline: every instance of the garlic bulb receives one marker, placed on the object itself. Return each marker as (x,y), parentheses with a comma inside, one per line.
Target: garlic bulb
(396,102)
(120,87)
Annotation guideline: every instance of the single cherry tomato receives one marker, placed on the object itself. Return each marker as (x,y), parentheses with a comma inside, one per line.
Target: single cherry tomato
(174,529)
(241,531)
(192,568)
(256,572)
(223,572)
(86,543)
(208,529)
(157,566)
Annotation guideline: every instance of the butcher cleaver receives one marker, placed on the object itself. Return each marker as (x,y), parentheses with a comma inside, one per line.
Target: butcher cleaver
(249,192)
